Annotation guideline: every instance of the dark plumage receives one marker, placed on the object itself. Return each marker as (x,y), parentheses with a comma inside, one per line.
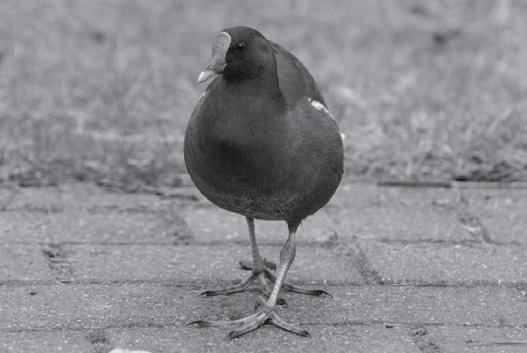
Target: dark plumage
(261,143)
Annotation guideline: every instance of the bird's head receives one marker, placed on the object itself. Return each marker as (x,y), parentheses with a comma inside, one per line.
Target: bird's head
(239,53)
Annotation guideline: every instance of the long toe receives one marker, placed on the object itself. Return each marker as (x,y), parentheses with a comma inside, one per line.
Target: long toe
(287,287)
(225,323)
(265,284)
(236,288)
(284,325)
(249,324)
(252,322)
(309,291)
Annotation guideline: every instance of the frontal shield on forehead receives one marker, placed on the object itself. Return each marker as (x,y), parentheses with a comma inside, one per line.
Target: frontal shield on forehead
(216,63)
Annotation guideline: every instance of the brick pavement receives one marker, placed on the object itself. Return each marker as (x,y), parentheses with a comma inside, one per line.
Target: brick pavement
(411,270)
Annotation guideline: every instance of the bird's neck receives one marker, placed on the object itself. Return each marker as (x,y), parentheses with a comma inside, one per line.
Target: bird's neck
(261,96)
(245,108)
(264,87)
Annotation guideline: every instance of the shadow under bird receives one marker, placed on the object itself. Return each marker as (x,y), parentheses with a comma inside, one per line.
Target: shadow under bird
(261,143)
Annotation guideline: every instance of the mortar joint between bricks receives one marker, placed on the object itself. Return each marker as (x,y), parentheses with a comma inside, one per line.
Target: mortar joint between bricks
(58,261)
(363,265)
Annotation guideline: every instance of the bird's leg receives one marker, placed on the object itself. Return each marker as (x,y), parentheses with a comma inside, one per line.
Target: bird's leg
(262,265)
(258,268)
(259,264)
(266,311)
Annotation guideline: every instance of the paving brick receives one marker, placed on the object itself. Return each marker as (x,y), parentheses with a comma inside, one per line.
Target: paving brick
(45,342)
(85,307)
(324,339)
(396,214)
(139,283)
(409,305)
(360,195)
(23,262)
(212,224)
(82,226)
(44,199)
(75,197)
(501,211)
(479,339)
(431,263)
(215,264)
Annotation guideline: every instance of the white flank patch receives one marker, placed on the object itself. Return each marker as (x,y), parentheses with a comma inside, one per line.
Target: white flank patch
(203,95)
(342,136)
(319,106)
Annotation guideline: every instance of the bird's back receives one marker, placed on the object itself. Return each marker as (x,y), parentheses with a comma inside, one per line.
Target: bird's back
(294,79)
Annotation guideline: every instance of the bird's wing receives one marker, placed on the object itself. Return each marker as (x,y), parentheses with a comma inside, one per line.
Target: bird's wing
(294,79)
(316,119)
(324,113)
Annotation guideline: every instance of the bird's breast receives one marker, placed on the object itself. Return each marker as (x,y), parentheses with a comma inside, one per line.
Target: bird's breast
(263,164)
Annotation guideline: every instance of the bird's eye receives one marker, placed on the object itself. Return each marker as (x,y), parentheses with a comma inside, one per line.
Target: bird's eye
(240,45)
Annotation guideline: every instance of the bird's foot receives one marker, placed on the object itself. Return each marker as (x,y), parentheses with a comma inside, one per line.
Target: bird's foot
(270,278)
(264,314)
(266,280)
(265,287)
(261,276)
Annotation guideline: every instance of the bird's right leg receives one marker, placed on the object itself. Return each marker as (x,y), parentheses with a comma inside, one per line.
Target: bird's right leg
(259,268)
(266,311)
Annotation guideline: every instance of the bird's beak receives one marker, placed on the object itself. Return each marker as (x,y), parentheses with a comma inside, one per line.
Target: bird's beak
(216,63)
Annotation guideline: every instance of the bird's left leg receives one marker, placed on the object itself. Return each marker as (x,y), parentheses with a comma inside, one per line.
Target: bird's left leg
(266,311)
(259,264)
(264,269)
(259,269)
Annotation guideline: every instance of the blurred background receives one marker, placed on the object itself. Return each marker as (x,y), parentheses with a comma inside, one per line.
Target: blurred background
(101,91)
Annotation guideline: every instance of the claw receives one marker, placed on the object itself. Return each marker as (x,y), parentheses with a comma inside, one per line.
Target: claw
(200,323)
(281,302)
(248,327)
(244,265)
(296,289)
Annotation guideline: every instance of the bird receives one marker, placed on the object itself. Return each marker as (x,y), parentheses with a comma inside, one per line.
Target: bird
(262,143)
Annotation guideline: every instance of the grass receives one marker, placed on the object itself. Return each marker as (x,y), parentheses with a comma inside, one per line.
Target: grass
(102,90)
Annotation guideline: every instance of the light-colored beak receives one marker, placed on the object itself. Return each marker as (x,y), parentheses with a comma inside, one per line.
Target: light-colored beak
(216,64)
